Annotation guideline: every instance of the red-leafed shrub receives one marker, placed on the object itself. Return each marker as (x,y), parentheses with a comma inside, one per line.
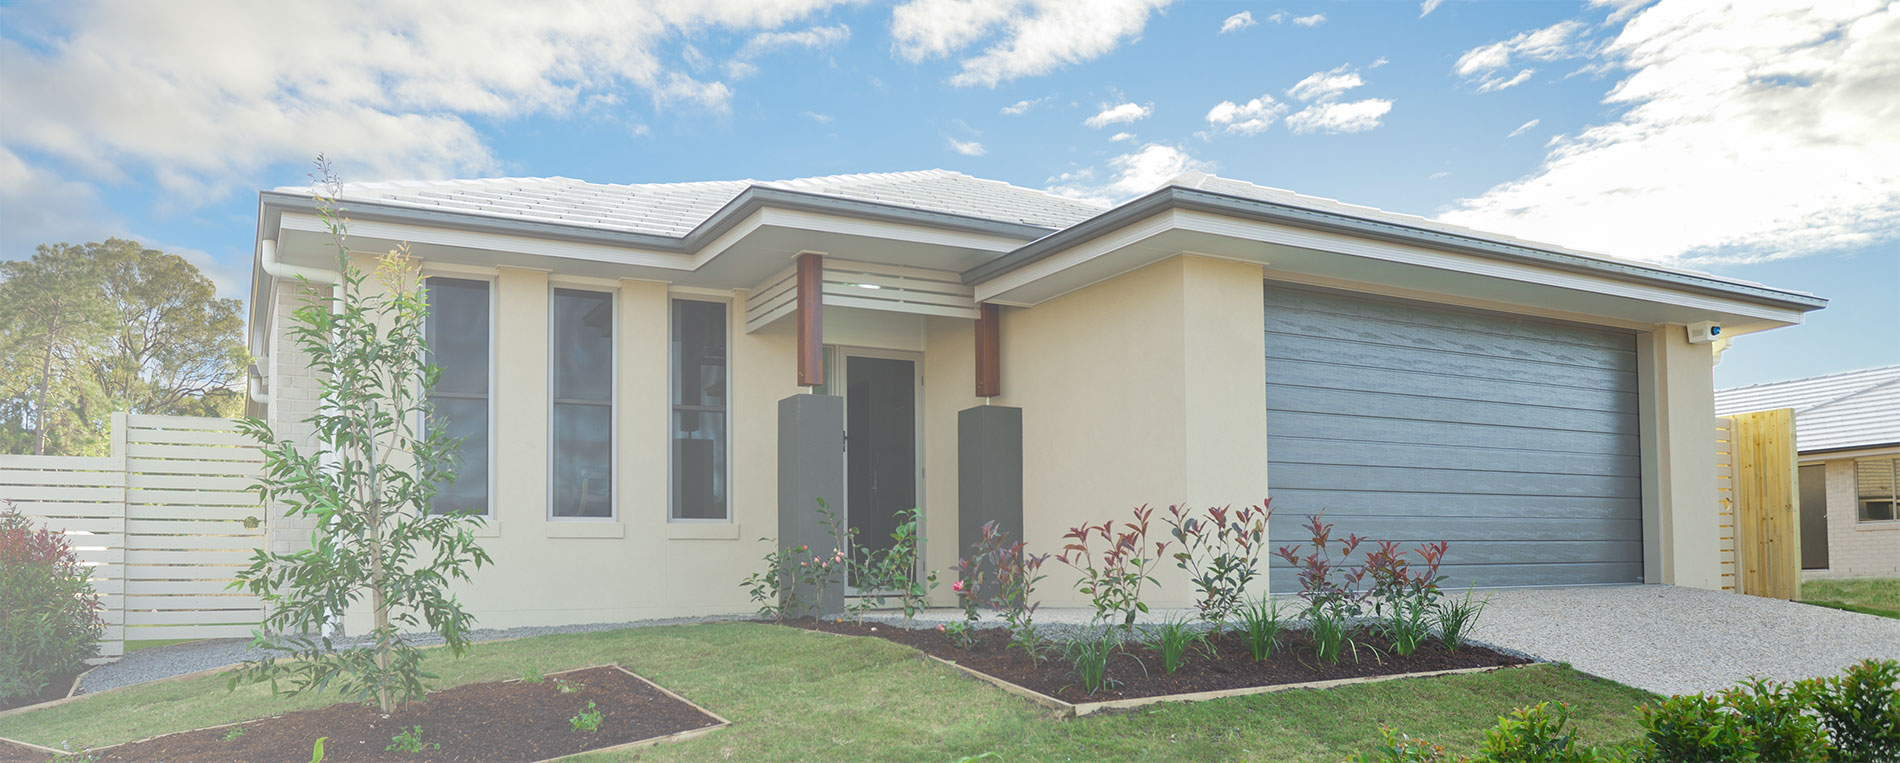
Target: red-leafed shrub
(49,613)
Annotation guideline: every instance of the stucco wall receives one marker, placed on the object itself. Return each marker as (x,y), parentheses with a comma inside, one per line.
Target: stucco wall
(1681,524)
(1855,548)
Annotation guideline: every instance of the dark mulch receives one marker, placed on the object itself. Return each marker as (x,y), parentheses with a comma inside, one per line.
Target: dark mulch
(503,721)
(13,753)
(58,689)
(1138,669)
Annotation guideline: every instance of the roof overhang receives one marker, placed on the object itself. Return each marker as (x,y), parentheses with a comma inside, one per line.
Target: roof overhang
(1301,244)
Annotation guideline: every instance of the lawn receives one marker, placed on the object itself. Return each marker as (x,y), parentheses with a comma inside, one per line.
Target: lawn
(1874,596)
(794,694)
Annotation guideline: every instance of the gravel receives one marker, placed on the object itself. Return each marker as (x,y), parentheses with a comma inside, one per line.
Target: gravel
(1661,638)
(1673,640)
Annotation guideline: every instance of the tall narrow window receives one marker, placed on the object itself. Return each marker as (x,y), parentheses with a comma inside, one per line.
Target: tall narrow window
(699,410)
(1875,482)
(457,333)
(582,366)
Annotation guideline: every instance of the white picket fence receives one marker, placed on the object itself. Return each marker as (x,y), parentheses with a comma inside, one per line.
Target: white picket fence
(165,522)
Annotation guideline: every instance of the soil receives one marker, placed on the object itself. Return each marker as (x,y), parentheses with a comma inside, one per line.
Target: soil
(502,721)
(58,689)
(1136,671)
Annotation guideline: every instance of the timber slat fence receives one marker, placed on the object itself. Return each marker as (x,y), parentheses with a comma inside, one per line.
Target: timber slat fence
(165,522)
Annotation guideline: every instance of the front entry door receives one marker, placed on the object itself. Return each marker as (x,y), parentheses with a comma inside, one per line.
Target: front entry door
(880,415)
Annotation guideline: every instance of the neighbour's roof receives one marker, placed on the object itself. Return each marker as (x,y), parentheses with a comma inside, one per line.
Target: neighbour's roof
(674,209)
(1852,409)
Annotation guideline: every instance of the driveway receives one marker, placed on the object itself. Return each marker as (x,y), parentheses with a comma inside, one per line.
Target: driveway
(1673,640)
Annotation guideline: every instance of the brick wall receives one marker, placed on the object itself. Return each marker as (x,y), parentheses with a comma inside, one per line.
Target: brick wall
(1855,548)
(293,399)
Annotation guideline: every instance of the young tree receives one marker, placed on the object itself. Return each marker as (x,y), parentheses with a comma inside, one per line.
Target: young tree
(367,482)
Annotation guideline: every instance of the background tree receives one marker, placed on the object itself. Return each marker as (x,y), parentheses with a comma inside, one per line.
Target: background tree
(89,329)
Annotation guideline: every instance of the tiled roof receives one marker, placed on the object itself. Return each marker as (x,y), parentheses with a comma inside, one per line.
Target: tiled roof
(674,209)
(1845,410)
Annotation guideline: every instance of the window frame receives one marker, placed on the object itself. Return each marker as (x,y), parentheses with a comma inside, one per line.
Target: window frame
(673,409)
(494,329)
(555,284)
(1892,499)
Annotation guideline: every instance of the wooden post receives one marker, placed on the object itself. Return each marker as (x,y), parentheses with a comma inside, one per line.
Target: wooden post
(1768,503)
(989,350)
(811,319)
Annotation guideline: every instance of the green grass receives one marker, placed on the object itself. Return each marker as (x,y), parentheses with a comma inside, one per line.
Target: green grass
(137,644)
(1873,596)
(799,695)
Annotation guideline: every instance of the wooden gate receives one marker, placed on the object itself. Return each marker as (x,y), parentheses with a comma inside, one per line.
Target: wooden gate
(1759,465)
(164,522)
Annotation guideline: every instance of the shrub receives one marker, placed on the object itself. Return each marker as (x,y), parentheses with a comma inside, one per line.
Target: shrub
(1088,655)
(1220,552)
(587,720)
(1456,618)
(795,578)
(1261,625)
(1535,734)
(882,575)
(1327,582)
(1757,720)
(1407,626)
(410,740)
(1860,708)
(1404,594)
(1173,639)
(1008,574)
(1113,582)
(49,613)
(1327,627)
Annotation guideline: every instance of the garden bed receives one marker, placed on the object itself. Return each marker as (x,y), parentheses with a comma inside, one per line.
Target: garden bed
(60,688)
(1137,673)
(500,721)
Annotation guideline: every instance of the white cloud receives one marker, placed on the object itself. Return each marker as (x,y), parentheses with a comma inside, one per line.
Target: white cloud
(1121,136)
(1752,132)
(823,119)
(1119,114)
(1135,173)
(1327,85)
(39,207)
(967,147)
(1026,38)
(1523,128)
(1313,20)
(1279,17)
(1493,84)
(387,89)
(1439,175)
(1248,118)
(1335,117)
(1484,64)
(1237,22)
(814,38)
(1022,107)
(1426,8)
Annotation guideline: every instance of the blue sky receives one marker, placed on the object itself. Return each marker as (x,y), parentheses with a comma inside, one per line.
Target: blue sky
(1754,142)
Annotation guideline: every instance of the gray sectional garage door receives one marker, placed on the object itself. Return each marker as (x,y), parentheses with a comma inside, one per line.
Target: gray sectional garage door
(1515,440)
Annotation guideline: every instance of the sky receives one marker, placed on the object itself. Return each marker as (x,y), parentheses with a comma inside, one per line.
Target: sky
(1755,141)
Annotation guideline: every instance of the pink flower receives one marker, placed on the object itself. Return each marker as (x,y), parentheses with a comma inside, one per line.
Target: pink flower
(939,627)
(957,586)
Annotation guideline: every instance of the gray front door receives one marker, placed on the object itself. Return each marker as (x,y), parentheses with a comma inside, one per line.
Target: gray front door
(1515,440)
(880,413)
(1813,516)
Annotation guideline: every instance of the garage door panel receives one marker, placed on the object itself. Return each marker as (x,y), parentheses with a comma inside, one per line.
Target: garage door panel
(1304,450)
(1457,530)
(1410,382)
(1409,480)
(1514,440)
(1299,348)
(1468,345)
(1312,302)
(1446,410)
(1369,429)
(1292,504)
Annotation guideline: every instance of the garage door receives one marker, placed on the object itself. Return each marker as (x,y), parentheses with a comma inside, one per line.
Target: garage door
(1514,440)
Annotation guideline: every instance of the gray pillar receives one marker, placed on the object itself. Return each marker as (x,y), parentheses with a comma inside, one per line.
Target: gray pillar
(810,468)
(989,473)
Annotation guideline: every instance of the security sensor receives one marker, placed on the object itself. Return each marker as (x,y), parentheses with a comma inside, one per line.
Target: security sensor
(1704,332)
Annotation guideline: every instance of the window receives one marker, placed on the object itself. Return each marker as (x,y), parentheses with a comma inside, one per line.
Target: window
(457,333)
(582,370)
(699,410)
(1874,484)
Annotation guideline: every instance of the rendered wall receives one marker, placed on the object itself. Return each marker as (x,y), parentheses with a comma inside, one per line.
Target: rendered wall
(1680,506)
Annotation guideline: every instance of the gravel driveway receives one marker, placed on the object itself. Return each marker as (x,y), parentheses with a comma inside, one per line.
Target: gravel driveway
(1673,640)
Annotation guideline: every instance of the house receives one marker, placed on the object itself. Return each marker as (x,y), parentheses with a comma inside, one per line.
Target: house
(653,377)
(1847,437)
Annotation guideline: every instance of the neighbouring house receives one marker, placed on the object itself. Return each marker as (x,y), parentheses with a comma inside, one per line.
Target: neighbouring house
(1847,437)
(653,377)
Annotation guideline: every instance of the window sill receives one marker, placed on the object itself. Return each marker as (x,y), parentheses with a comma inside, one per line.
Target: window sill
(1877,525)
(613,529)
(702,530)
